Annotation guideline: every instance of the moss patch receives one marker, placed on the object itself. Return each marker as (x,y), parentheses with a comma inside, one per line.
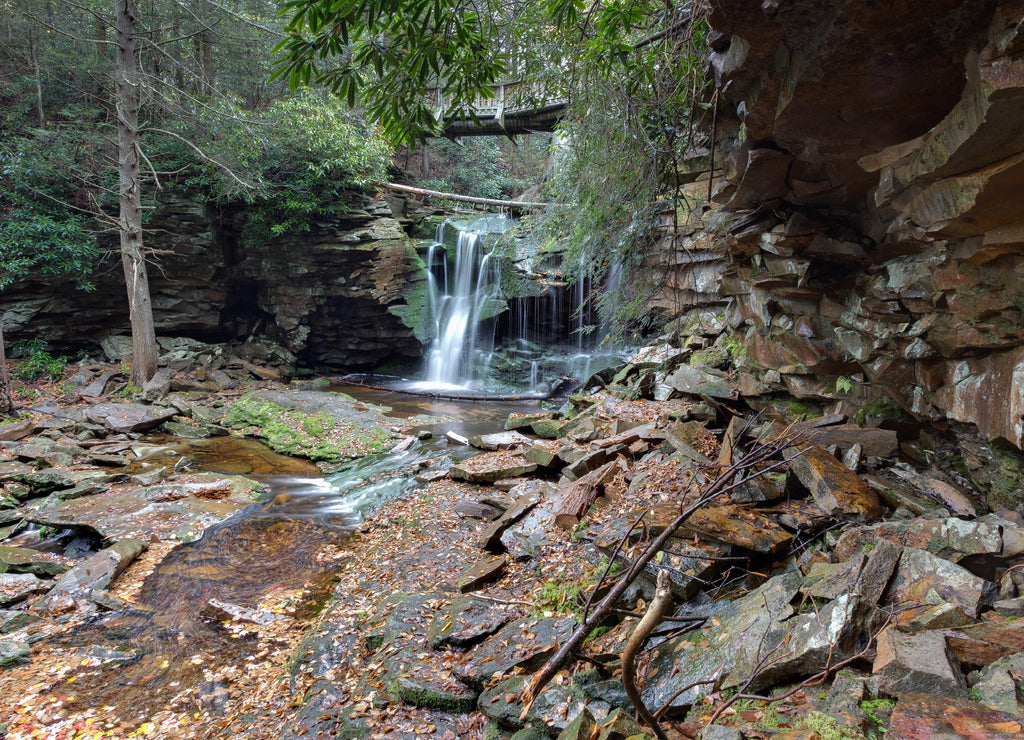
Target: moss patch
(328,433)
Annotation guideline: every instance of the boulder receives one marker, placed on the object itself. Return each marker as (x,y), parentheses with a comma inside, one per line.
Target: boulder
(481,573)
(920,663)
(836,489)
(524,643)
(15,587)
(929,716)
(122,418)
(1000,685)
(491,466)
(13,653)
(920,572)
(465,622)
(500,441)
(490,538)
(94,573)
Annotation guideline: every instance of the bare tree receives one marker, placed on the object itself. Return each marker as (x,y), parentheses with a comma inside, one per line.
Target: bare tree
(133,259)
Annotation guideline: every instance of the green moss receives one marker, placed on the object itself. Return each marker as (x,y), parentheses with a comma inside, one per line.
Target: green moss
(829,729)
(415,312)
(881,408)
(319,437)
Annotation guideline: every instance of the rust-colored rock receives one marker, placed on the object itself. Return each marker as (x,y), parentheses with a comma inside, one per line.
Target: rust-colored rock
(926,717)
(836,489)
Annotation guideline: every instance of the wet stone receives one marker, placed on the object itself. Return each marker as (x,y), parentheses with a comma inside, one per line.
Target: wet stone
(830,580)
(24,560)
(836,489)
(555,707)
(465,622)
(15,587)
(524,643)
(927,716)
(1000,685)
(481,573)
(916,662)
(122,418)
(13,653)
(491,466)
(920,572)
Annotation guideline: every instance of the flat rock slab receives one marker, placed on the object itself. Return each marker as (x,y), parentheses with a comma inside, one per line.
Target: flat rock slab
(122,418)
(740,526)
(999,685)
(477,510)
(920,572)
(491,466)
(328,428)
(500,441)
(524,643)
(12,431)
(984,643)
(466,621)
(24,560)
(423,684)
(920,663)
(948,537)
(481,573)
(927,717)
(873,442)
(836,489)
(400,614)
(490,538)
(174,511)
(15,587)
(522,421)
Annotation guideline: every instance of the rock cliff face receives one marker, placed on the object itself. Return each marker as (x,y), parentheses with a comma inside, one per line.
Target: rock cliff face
(347,294)
(875,180)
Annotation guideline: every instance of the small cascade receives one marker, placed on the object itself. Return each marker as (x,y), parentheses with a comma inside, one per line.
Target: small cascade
(462,298)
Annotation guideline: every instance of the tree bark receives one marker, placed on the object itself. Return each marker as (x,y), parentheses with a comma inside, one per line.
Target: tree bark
(133,259)
(6,399)
(40,115)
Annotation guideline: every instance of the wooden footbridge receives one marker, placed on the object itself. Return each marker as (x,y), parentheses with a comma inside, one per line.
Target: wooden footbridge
(515,108)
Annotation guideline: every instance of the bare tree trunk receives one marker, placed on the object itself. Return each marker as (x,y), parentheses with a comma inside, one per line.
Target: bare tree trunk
(6,399)
(144,359)
(39,81)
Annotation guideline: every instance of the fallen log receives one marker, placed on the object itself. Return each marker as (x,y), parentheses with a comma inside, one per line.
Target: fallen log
(510,204)
(581,494)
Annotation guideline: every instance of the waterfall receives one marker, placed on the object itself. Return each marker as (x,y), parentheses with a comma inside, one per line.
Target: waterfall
(461,299)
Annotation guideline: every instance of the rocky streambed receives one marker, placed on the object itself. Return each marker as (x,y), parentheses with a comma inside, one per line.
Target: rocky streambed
(848,579)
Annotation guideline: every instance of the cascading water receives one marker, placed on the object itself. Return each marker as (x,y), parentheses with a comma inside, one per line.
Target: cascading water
(547,338)
(461,303)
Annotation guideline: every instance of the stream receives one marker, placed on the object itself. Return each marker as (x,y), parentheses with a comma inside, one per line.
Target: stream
(158,653)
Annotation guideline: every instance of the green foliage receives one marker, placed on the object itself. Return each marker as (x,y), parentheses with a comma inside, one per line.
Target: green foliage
(386,53)
(297,160)
(36,363)
(480,166)
(40,237)
(843,384)
(879,711)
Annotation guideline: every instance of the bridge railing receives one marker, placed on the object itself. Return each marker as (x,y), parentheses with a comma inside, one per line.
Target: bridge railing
(508,97)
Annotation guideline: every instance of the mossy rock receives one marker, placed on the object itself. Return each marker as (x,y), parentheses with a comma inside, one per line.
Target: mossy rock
(327,428)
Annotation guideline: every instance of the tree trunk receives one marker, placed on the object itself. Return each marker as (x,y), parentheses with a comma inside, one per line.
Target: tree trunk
(144,359)
(40,115)
(6,399)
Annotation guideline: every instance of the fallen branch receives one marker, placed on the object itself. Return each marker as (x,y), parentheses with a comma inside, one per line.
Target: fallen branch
(719,485)
(655,613)
(510,204)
